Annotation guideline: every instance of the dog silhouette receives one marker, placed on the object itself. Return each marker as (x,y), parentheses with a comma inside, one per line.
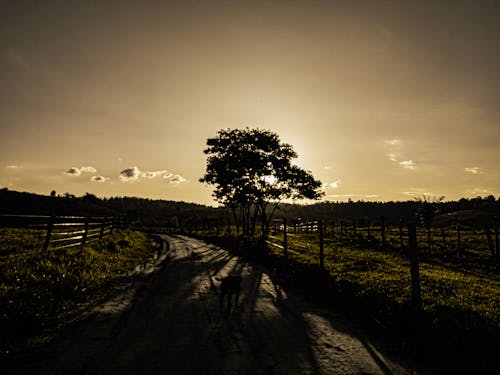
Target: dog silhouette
(230,286)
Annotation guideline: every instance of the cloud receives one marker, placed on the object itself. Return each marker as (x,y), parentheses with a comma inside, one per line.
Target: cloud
(480,191)
(419,193)
(335,184)
(474,170)
(73,171)
(99,178)
(392,157)
(328,167)
(392,142)
(408,164)
(130,174)
(88,169)
(177,179)
(12,167)
(331,185)
(153,174)
(134,173)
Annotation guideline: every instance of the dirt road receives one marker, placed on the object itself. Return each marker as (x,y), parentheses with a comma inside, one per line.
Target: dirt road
(169,323)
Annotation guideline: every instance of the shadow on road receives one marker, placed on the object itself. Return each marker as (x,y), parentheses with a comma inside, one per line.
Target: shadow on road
(174,326)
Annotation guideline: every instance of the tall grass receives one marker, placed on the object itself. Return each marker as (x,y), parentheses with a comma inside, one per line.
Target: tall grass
(36,289)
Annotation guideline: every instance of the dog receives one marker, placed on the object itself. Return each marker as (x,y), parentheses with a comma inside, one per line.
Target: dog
(229,286)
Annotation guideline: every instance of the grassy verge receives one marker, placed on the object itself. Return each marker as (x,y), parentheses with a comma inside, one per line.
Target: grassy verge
(37,289)
(460,320)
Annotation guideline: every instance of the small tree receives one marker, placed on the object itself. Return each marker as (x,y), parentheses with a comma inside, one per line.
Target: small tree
(427,211)
(252,172)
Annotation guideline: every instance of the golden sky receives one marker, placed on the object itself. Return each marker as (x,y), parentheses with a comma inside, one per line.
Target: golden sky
(382,100)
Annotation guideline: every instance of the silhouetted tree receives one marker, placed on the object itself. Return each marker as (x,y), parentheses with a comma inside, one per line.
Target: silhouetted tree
(252,172)
(427,211)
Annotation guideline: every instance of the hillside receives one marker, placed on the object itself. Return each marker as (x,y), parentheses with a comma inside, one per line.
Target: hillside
(157,211)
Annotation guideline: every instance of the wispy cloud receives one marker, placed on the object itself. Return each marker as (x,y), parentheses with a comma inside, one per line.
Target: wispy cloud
(474,170)
(134,174)
(392,157)
(74,171)
(408,164)
(328,167)
(88,169)
(99,178)
(480,191)
(394,146)
(392,142)
(154,174)
(419,193)
(177,179)
(13,166)
(335,184)
(331,185)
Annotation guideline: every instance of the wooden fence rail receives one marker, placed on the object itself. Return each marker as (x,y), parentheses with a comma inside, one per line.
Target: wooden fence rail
(62,232)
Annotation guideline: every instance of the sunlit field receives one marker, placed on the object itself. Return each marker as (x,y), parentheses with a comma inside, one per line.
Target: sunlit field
(36,287)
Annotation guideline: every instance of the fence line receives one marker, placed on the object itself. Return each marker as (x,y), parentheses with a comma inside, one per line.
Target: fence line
(62,232)
(318,228)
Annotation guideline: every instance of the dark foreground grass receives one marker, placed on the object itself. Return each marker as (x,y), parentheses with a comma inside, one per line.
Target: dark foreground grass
(458,327)
(37,289)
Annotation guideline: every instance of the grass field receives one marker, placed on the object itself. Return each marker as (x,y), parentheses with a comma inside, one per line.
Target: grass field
(37,288)
(470,284)
(459,320)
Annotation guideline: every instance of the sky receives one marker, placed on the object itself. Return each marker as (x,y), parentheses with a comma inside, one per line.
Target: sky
(382,100)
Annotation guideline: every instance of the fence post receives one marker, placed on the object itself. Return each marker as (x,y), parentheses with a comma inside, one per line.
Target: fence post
(382,231)
(101,233)
(320,229)
(50,226)
(497,244)
(443,234)
(429,239)
(401,244)
(112,225)
(491,247)
(416,297)
(285,242)
(86,229)
(459,251)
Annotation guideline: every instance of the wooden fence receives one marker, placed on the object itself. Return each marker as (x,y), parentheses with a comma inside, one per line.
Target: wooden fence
(406,234)
(62,232)
(429,236)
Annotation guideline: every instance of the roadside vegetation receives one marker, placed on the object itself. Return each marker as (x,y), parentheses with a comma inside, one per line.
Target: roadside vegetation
(37,289)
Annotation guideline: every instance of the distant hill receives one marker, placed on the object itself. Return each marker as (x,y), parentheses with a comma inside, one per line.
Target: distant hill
(156,211)
(147,211)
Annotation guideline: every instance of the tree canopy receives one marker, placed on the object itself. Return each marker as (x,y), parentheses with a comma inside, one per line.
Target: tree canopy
(252,172)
